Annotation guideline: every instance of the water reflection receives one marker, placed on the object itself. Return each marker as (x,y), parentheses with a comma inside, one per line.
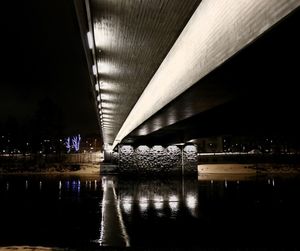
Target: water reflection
(173,204)
(143,203)
(112,230)
(115,211)
(191,201)
(127,204)
(158,202)
(158,197)
(68,185)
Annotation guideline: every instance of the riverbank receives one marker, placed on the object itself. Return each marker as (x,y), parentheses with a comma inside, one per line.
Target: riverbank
(259,168)
(79,163)
(80,169)
(30,248)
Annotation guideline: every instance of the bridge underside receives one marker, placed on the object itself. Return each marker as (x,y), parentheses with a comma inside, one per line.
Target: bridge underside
(167,74)
(253,93)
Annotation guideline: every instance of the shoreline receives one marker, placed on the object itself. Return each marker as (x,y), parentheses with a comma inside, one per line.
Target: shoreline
(216,168)
(90,169)
(256,168)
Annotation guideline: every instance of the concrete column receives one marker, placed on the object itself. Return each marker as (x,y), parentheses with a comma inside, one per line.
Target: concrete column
(110,162)
(107,156)
(190,161)
(157,160)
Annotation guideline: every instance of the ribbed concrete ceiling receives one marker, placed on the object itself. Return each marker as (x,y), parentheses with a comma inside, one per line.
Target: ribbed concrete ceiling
(132,38)
(216,31)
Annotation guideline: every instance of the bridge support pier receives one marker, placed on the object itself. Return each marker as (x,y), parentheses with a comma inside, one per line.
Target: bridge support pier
(157,159)
(109,164)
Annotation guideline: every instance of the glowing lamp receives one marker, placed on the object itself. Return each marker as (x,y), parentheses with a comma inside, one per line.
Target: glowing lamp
(90,39)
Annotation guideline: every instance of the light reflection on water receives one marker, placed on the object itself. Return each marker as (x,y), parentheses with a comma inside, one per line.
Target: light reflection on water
(115,211)
(158,202)
(127,204)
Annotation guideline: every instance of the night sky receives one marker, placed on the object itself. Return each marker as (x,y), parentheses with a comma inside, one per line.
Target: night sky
(43,59)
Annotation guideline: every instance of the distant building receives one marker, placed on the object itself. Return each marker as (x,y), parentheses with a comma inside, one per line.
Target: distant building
(212,144)
(90,144)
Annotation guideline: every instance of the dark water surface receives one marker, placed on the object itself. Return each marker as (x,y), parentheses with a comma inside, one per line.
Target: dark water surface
(92,211)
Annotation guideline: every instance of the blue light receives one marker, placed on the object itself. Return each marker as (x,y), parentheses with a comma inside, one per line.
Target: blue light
(73,143)
(76,142)
(68,144)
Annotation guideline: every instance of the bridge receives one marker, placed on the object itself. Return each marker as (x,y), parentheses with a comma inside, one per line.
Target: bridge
(166,73)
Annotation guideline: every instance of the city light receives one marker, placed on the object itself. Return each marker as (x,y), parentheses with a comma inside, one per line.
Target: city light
(97,87)
(106,68)
(94,70)
(90,39)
